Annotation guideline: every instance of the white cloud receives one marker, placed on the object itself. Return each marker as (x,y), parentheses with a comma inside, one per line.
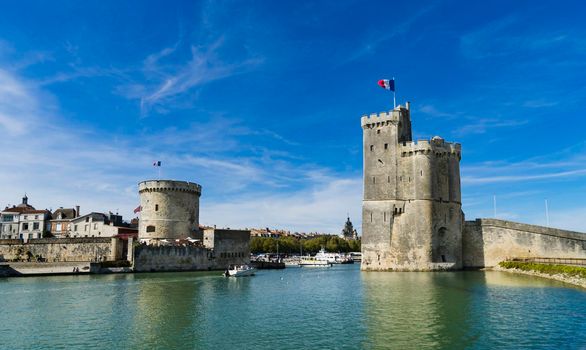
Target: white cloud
(165,82)
(322,208)
(62,163)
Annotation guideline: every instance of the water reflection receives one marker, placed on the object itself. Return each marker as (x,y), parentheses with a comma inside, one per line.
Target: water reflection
(415,310)
(335,308)
(167,308)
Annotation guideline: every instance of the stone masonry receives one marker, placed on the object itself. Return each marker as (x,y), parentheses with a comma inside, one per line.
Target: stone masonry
(170,209)
(411,214)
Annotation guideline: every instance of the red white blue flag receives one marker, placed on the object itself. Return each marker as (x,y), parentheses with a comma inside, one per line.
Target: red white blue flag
(157,163)
(387,84)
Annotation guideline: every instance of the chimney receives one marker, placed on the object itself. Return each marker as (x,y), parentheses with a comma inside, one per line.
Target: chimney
(77,211)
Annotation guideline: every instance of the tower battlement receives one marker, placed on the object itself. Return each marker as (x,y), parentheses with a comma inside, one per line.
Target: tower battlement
(383,118)
(435,146)
(169,186)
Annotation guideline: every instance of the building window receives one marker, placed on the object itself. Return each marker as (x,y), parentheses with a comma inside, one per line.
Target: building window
(371,148)
(95,226)
(25,217)
(36,217)
(25,226)
(373,180)
(150,228)
(75,228)
(30,236)
(378,131)
(87,219)
(156,207)
(386,146)
(85,227)
(35,226)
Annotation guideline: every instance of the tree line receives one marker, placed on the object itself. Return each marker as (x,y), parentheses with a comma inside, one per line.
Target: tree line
(293,245)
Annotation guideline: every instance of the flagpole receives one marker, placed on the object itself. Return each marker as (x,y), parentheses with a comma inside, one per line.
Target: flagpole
(394,92)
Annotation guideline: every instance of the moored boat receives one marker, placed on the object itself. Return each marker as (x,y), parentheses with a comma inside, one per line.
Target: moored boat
(312,261)
(239,271)
(334,258)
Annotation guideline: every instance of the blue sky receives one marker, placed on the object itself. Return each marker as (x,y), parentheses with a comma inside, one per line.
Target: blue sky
(260,102)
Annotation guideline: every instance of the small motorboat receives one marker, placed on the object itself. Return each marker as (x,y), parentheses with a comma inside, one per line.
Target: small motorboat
(239,271)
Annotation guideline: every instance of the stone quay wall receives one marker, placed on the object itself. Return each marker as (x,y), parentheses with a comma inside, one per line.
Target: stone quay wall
(486,242)
(57,249)
(173,258)
(221,248)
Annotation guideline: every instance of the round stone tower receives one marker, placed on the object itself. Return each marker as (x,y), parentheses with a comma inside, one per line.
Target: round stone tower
(170,209)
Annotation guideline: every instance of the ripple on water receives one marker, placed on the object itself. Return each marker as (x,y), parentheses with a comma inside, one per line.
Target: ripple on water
(337,308)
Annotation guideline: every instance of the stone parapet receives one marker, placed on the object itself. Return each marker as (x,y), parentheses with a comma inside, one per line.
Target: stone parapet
(542,230)
(168,186)
(383,118)
(436,146)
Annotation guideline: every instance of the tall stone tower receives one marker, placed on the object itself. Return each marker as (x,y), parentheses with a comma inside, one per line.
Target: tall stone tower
(170,209)
(411,213)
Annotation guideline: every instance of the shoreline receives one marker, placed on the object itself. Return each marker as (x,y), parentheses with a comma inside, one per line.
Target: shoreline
(575,281)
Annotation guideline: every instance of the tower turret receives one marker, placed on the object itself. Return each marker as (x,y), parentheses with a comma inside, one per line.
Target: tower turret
(411,213)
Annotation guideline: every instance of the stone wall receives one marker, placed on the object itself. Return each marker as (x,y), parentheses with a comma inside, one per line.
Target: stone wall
(228,246)
(486,242)
(172,258)
(412,236)
(57,250)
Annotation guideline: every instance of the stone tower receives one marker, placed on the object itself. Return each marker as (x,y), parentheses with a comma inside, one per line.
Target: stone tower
(411,213)
(170,209)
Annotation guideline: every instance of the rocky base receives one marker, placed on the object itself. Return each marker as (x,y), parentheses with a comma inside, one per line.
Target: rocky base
(577,281)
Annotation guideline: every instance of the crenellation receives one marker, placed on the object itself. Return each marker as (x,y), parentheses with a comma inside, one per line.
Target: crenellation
(381,119)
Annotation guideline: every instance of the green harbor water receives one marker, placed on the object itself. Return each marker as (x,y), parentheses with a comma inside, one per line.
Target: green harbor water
(296,308)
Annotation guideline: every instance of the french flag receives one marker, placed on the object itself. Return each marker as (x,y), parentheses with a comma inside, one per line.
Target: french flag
(387,84)
(157,163)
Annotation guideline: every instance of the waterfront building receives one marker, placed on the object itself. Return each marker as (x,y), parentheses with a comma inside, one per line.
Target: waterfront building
(60,224)
(98,225)
(24,222)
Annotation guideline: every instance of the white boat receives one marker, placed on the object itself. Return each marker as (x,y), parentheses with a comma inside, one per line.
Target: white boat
(312,261)
(333,258)
(239,271)
(292,262)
